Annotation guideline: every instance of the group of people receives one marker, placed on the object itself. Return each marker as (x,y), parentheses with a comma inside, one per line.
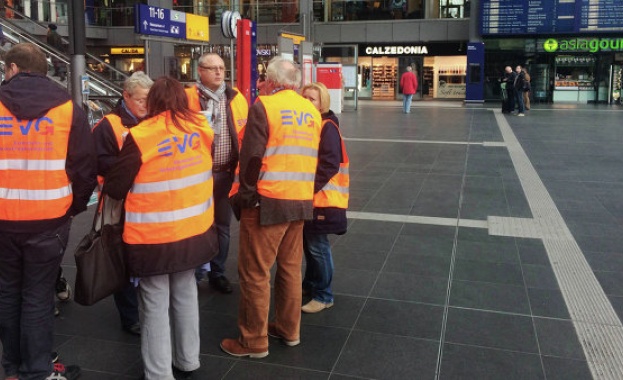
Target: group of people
(515,87)
(180,160)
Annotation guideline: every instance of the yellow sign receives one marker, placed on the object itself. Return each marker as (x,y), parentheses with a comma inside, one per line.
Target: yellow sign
(197,27)
(296,39)
(127,50)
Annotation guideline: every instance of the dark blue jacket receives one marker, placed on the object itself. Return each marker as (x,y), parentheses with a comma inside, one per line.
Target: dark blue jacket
(328,220)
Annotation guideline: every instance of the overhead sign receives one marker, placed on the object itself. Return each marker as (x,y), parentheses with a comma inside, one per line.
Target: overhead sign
(197,27)
(512,17)
(127,50)
(296,38)
(584,45)
(158,21)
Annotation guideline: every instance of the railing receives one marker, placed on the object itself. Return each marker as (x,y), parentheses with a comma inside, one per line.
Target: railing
(105,72)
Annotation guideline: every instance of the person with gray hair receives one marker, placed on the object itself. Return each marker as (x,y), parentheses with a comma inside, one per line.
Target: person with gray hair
(109,135)
(272,195)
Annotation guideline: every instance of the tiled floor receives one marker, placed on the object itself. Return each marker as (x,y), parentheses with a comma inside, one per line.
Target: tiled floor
(424,289)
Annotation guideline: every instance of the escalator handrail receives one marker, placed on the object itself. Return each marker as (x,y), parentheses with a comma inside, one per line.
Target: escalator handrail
(65,41)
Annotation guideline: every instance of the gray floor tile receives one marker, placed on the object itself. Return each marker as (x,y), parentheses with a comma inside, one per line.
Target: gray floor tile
(532,251)
(493,330)
(470,362)
(481,271)
(488,296)
(407,287)
(258,370)
(502,252)
(566,369)
(344,258)
(401,318)
(378,356)
(418,265)
(611,282)
(558,338)
(607,262)
(540,276)
(423,245)
(354,282)
(343,314)
(548,303)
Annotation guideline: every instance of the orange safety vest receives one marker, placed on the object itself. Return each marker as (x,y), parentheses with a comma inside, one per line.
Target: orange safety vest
(335,192)
(291,156)
(120,131)
(171,198)
(239,106)
(33,181)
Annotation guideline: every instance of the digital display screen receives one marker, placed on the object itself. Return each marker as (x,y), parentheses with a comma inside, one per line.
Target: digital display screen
(512,17)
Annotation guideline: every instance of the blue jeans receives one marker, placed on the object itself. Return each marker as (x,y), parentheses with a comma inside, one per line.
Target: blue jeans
(29,265)
(127,305)
(406,102)
(222,220)
(319,270)
(519,100)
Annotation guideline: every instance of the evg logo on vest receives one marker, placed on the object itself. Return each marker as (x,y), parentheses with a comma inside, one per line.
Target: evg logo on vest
(43,125)
(288,117)
(167,145)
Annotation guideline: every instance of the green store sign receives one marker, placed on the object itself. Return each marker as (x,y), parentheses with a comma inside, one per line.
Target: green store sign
(587,45)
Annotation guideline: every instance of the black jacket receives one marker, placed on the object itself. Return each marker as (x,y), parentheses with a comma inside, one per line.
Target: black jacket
(30,96)
(105,140)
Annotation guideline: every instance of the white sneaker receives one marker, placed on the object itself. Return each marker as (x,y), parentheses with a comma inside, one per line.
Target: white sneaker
(314,306)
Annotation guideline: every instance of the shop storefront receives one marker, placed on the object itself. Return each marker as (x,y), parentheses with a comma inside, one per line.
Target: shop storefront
(562,70)
(440,68)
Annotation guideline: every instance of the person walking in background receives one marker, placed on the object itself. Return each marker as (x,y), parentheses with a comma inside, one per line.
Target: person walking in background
(54,40)
(109,135)
(331,186)
(507,83)
(519,90)
(408,83)
(276,172)
(164,174)
(45,183)
(527,89)
(227,109)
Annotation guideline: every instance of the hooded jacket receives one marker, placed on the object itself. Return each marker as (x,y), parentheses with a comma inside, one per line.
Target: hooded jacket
(30,96)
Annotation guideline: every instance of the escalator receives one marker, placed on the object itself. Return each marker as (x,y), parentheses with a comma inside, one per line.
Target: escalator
(104,92)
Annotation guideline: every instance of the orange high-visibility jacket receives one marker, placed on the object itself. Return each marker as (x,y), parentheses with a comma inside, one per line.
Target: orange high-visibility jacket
(335,192)
(239,107)
(33,182)
(171,198)
(291,156)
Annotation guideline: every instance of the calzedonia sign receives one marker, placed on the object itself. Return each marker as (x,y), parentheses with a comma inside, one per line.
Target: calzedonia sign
(410,49)
(582,45)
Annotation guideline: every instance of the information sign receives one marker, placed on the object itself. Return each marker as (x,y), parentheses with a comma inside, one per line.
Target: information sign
(158,21)
(197,27)
(512,17)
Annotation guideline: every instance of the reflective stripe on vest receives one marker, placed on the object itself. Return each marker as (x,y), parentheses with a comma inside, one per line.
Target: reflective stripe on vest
(239,106)
(171,198)
(33,182)
(291,156)
(335,193)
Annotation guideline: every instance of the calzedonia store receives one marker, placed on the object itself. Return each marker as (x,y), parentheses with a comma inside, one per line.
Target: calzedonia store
(440,68)
(574,69)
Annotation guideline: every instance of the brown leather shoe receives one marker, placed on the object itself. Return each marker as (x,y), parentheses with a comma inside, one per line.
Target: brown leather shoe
(234,348)
(272,331)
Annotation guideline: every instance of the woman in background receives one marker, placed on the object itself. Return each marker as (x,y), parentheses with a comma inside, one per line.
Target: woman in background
(164,174)
(330,203)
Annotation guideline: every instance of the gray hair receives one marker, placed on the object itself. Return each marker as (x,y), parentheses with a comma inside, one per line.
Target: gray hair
(283,72)
(138,79)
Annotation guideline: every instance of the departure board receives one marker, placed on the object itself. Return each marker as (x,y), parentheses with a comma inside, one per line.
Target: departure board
(512,17)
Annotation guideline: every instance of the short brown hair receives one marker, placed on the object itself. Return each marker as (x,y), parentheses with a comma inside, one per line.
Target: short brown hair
(28,58)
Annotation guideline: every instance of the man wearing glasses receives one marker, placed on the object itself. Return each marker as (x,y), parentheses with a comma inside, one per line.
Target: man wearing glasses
(226,110)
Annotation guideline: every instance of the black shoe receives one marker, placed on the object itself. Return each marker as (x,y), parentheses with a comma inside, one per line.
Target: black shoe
(54,356)
(221,283)
(63,290)
(134,329)
(182,375)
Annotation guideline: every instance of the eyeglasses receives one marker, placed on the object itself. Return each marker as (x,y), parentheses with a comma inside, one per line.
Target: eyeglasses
(213,68)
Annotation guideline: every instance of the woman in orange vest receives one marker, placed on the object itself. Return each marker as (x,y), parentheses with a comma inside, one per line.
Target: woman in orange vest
(164,172)
(330,203)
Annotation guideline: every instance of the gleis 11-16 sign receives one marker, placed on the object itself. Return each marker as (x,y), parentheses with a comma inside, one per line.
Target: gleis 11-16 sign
(164,22)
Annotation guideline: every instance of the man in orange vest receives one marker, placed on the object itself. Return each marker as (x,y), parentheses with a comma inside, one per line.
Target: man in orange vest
(226,109)
(47,175)
(110,133)
(275,195)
